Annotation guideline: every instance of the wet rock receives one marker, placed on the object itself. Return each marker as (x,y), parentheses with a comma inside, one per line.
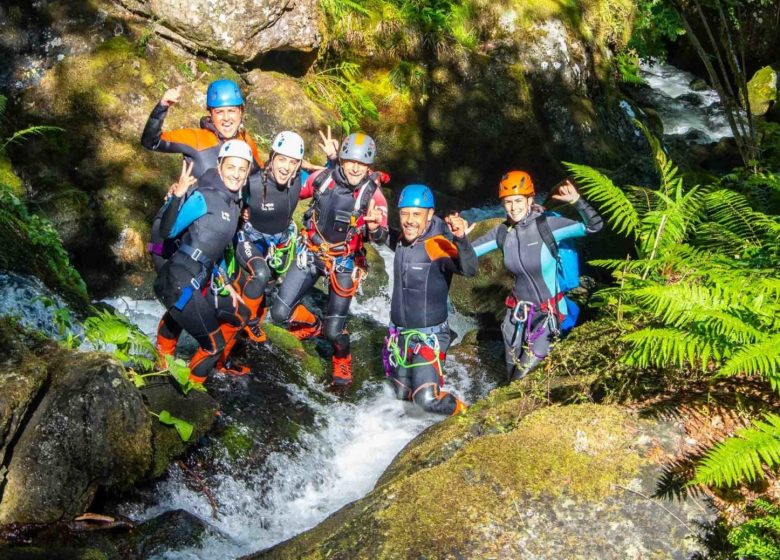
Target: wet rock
(239,31)
(22,379)
(90,429)
(560,482)
(691,98)
(196,407)
(172,530)
(699,85)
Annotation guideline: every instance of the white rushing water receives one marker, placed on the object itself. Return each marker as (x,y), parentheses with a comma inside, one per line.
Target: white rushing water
(681,109)
(333,464)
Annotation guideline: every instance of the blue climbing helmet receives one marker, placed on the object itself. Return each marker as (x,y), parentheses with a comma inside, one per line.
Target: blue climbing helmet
(223,93)
(416,196)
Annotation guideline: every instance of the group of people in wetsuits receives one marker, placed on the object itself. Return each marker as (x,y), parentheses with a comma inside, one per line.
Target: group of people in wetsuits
(227,200)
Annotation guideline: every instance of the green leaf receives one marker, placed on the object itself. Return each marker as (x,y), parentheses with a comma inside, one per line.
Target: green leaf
(183,428)
(137,380)
(178,370)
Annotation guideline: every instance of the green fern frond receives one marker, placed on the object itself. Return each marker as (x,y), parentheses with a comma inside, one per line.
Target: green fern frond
(664,346)
(20,135)
(742,457)
(762,358)
(612,201)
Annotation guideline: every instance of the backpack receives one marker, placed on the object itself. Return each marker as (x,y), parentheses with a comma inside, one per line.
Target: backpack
(568,264)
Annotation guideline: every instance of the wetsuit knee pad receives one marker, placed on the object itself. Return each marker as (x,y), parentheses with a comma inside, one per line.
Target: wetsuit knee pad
(429,399)
(333,329)
(280,311)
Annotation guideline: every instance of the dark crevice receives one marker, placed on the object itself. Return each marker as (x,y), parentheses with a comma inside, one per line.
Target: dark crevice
(291,63)
(26,418)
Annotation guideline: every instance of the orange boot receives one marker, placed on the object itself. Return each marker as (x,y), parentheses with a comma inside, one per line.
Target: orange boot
(224,365)
(304,324)
(165,346)
(196,360)
(460,406)
(342,370)
(253,330)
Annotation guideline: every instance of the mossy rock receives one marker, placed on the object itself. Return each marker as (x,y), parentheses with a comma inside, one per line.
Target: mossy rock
(9,179)
(762,90)
(31,245)
(306,361)
(197,408)
(557,482)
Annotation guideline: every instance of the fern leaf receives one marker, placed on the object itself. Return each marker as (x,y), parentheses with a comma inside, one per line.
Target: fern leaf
(742,457)
(664,346)
(762,358)
(611,200)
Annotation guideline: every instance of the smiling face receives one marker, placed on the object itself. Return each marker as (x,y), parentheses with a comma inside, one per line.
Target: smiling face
(226,120)
(283,168)
(234,171)
(517,206)
(414,221)
(354,171)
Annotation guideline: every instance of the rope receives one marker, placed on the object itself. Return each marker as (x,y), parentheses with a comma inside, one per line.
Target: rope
(397,358)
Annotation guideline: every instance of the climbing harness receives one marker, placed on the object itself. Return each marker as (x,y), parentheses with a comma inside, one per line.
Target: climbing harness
(401,344)
(199,281)
(337,259)
(523,314)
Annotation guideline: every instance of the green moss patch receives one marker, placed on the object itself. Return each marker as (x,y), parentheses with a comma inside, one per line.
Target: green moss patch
(578,450)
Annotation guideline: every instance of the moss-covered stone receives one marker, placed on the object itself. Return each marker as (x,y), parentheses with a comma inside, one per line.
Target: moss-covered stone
(762,90)
(551,483)
(196,407)
(294,349)
(9,179)
(32,246)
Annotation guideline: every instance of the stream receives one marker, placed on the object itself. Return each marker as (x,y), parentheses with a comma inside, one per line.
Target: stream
(334,461)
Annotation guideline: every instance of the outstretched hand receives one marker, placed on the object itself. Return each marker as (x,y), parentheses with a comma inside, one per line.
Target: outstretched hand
(329,145)
(458,226)
(567,192)
(374,216)
(186,180)
(171,96)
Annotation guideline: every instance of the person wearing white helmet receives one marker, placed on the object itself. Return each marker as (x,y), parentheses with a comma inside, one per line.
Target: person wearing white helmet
(205,221)
(348,209)
(266,241)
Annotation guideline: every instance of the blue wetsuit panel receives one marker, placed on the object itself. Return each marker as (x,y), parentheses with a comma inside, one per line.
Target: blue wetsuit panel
(192,209)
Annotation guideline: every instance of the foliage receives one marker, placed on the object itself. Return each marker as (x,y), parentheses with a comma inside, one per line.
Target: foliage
(702,295)
(656,25)
(758,538)
(183,428)
(31,244)
(742,457)
(108,330)
(338,88)
(627,64)
(19,135)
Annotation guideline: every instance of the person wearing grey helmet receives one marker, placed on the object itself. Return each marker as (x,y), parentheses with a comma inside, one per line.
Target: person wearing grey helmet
(347,209)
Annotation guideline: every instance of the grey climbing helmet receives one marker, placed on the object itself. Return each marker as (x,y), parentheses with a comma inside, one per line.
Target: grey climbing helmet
(358,147)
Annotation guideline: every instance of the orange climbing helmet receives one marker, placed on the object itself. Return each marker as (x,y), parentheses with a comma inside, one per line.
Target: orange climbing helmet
(515,182)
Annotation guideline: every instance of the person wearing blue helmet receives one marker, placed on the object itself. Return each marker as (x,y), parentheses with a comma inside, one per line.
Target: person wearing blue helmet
(428,251)
(200,148)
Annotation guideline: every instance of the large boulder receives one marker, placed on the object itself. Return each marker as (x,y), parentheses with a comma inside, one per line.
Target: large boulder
(72,423)
(510,480)
(90,429)
(235,31)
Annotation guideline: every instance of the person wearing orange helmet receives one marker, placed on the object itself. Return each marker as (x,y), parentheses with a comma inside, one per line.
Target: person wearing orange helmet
(529,240)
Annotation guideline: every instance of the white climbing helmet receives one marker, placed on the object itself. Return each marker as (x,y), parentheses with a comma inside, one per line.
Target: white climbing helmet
(236,148)
(288,143)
